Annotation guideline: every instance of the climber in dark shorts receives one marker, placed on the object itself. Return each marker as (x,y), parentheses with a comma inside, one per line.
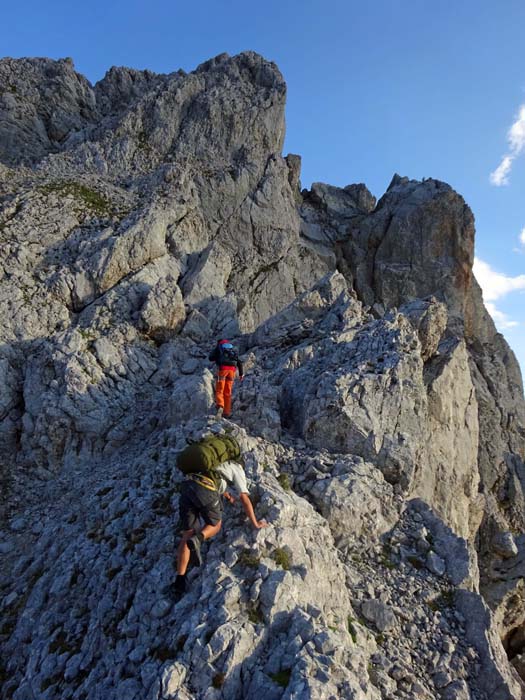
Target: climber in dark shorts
(200,499)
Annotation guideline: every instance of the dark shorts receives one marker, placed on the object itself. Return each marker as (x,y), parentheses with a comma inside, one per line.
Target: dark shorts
(198,502)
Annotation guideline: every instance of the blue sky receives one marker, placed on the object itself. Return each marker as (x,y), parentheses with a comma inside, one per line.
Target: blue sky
(425,89)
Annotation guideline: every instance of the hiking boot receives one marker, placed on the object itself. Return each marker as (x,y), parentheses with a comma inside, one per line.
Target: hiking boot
(194,546)
(179,586)
(219,412)
(176,589)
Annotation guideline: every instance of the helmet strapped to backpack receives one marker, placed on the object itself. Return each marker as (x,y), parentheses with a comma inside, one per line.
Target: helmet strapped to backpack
(227,355)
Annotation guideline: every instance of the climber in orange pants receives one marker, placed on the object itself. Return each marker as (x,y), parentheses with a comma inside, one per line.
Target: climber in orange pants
(223,390)
(227,360)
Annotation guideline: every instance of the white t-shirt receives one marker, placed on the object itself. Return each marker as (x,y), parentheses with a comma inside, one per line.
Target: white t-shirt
(232,473)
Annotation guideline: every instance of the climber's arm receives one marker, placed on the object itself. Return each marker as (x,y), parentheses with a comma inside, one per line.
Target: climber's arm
(248,509)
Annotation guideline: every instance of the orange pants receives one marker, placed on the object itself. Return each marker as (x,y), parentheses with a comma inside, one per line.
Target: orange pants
(223,390)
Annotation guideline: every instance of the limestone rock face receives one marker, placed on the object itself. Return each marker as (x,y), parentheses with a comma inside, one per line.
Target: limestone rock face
(450,476)
(174,197)
(381,416)
(163,312)
(418,241)
(42,103)
(328,212)
(356,399)
(365,389)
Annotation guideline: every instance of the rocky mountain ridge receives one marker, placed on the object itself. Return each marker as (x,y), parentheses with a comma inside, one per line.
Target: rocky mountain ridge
(382,414)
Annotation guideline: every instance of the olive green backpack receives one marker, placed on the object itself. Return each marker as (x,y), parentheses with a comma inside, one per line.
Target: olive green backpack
(207,454)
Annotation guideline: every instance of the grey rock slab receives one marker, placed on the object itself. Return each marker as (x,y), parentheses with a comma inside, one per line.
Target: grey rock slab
(435,564)
(380,614)
(457,690)
(161,608)
(6,547)
(190,366)
(504,545)
(18,524)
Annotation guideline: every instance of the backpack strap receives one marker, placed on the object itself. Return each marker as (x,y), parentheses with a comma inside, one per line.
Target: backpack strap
(207,481)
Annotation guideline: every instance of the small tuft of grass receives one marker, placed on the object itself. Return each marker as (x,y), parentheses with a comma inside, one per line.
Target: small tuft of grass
(162,505)
(104,491)
(284,480)
(352,631)
(48,682)
(255,616)
(385,559)
(282,677)
(181,641)
(248,559)
(388,564)
(143,141)
(218,680)
(282,558)
(416,562)
(60,644)
(87,334)
(8,627)
(164,653)
(111,573)
(445,600)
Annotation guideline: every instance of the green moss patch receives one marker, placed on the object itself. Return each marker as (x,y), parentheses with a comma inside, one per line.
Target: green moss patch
(86,196)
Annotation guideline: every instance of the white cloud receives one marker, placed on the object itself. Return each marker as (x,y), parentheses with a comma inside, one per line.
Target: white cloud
(516,135)
(501,320)
(521,248)
(495,284)
(516,142)
(500,175)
